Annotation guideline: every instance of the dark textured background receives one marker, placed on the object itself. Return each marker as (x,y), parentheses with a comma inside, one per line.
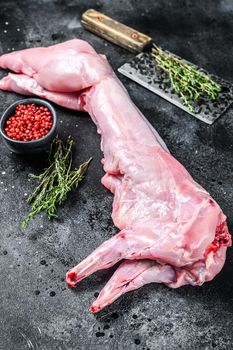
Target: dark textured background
(37,311)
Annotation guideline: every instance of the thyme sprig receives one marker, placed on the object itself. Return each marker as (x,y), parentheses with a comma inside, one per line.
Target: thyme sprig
(56,181)
(186,81)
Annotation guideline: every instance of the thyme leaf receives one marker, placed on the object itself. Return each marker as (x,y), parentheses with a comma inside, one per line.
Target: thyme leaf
(56,181)
(186,81)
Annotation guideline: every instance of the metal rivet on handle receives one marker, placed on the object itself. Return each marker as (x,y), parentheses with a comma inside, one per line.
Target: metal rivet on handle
(134,35)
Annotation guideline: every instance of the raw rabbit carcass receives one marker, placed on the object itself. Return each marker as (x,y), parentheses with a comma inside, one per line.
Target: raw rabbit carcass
(171,230)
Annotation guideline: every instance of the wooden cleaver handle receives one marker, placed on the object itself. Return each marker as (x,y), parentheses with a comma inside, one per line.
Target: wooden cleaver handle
(115,32)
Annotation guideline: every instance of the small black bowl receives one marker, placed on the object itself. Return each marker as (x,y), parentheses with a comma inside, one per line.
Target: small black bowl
(34,146)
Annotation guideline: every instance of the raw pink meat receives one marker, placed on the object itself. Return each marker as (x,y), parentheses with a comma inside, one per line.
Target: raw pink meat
(171,230)
(25,85)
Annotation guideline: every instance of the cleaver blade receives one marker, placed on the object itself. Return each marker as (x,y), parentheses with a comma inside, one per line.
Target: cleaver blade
(143,70)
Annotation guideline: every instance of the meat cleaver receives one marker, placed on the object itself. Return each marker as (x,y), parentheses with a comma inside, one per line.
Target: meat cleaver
(143,68)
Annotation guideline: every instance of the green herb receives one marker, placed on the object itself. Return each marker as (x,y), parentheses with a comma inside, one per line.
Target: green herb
(186,81)
(56,181)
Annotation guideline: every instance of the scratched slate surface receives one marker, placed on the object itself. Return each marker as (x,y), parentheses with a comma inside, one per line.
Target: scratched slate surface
(37,310)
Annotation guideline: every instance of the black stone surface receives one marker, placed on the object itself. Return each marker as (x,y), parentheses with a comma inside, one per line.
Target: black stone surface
(37,310)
